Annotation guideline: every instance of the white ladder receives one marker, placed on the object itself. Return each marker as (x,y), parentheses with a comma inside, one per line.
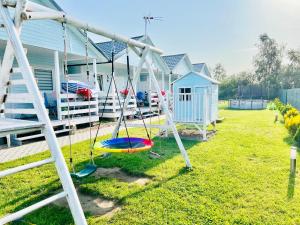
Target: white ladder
(13,49)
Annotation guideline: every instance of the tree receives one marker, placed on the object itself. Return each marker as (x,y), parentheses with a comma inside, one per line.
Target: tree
(219,73)
(267,62)
(294,58)
(228,88)
(290,74)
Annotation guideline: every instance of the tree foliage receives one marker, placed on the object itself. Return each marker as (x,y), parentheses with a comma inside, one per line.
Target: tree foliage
(290,73)
(269,74)
(267,62)
(219,72)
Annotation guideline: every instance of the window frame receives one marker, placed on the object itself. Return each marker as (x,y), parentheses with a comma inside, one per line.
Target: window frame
(186,95)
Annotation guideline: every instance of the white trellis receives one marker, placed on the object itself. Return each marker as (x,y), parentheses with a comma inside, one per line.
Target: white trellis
(26,10)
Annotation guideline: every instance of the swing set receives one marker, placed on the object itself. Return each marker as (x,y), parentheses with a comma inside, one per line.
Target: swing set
(114,145)
(12,23)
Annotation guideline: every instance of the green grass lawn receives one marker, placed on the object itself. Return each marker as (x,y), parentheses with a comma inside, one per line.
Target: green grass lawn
(240,176)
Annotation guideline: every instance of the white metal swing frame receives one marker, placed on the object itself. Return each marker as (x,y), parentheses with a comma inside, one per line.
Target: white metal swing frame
(26,10)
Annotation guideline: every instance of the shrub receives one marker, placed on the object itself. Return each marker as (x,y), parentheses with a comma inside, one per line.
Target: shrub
(285,108)
(293,124)
(291,113)
(271,106)
(277,103)
(297,137)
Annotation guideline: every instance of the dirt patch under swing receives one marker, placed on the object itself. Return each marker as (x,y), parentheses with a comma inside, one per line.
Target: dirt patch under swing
(93,205)
(195,135)
(120,175)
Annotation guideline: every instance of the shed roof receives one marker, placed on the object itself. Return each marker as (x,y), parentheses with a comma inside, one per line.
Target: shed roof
(117,46)
(198,74)
(173,60)
(198,67)
(201,68)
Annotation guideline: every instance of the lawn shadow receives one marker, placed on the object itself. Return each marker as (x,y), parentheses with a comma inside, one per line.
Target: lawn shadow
(149,187)
(41,192)
(49,187)
(139,163)
(291,186)
(158,184)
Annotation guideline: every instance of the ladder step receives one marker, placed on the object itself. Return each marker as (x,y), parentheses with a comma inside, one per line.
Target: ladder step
(14,126)
(25,167)
(23,212)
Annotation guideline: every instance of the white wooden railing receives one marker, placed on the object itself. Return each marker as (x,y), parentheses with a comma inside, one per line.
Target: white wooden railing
(77,106)
(113,108)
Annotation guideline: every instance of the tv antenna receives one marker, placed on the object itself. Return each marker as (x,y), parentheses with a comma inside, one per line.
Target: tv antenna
(148,19)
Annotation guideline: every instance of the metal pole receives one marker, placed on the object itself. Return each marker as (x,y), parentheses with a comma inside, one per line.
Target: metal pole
(62,17)
(293,157)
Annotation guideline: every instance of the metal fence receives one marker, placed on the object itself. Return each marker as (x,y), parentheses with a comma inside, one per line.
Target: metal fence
(256,91)
(291,96)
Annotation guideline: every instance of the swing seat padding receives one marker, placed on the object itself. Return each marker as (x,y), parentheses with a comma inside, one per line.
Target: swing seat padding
(124,145)
(87,171)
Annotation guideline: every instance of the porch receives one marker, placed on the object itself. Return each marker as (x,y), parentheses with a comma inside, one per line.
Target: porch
(63,108)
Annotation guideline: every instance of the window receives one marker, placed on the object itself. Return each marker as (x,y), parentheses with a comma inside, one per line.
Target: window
(100,81)
(74,70)
(144,77)
(185,94)
(44,79)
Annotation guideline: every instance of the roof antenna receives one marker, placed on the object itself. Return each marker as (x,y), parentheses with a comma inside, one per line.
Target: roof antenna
(148,19)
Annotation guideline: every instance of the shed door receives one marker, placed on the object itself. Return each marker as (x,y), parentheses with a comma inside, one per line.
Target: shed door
(214,104)
(183,105)
(201,112)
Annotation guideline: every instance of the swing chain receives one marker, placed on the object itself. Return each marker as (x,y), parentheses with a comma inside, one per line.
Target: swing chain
(134,94)
(66,75)
(89,97)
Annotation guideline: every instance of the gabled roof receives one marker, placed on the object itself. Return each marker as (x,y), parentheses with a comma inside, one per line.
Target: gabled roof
(201,68)
(198,67)
(199,74)
(107,47)
(173,60)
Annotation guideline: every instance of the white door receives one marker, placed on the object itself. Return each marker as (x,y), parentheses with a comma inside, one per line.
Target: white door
(198,103)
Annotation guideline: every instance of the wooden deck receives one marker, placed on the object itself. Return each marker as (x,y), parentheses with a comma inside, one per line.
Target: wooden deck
(13,126)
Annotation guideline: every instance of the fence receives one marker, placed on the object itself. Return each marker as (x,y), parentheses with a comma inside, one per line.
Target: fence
(291,96)
(256,91)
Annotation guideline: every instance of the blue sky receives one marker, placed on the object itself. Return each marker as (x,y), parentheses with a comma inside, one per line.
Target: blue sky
(209,31)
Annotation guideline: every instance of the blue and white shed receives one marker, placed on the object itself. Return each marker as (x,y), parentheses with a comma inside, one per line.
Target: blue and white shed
(195,100)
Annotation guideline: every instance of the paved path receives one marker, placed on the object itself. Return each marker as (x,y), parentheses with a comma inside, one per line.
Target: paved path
(10,154)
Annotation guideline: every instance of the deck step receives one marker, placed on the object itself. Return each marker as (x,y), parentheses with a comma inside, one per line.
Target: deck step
(15,126)
(23,212)
(25,167)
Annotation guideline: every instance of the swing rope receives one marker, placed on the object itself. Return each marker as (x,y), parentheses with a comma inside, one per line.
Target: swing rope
(104,107)
(89,169)
(119,101)
(89,98)
(129,82)
(133,91)
(66,75)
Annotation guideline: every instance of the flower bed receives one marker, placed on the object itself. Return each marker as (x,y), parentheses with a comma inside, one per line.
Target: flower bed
(291,117)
